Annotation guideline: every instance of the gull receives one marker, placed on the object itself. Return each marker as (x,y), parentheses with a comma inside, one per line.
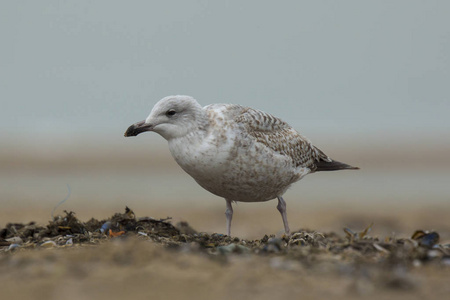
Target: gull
(235,152)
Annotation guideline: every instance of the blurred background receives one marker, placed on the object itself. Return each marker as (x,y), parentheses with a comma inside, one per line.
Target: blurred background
(367,82)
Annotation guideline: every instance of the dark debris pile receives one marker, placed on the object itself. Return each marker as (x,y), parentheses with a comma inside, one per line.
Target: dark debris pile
(305,246)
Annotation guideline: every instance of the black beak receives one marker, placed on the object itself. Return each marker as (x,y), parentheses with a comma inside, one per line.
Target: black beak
(137,128)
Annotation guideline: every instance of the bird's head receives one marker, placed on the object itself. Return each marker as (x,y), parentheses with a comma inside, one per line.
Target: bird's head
(171,117)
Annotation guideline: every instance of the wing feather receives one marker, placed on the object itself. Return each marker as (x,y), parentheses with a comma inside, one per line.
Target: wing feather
(279,136)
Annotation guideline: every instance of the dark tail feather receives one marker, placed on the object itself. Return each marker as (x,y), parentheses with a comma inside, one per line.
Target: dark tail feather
(333,166)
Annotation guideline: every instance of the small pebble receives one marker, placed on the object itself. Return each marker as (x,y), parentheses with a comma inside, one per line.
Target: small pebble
(48,244)
(273,245)
(15,240)
(13,247)
(105,227)
(233,248)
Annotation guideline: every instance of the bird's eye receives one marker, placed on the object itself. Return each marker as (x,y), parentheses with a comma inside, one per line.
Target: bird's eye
(171,112)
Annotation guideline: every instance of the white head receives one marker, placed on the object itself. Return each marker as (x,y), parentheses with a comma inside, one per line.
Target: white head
(171,117)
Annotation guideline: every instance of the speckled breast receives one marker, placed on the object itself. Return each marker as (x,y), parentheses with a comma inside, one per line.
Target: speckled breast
(236,167)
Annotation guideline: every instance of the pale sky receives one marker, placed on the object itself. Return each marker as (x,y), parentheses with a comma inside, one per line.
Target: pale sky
(335,67)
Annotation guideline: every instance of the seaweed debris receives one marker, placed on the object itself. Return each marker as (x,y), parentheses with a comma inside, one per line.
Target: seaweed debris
(305,246)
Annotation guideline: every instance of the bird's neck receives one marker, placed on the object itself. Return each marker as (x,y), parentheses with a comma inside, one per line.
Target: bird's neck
(202,124)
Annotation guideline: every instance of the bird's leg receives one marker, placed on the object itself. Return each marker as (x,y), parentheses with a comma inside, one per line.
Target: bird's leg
(229,215)
(282,209)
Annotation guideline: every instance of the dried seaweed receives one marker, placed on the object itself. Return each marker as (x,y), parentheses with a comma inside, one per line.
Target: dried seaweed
(306,246)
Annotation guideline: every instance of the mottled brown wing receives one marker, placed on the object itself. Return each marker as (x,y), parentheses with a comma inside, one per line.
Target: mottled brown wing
(280,137)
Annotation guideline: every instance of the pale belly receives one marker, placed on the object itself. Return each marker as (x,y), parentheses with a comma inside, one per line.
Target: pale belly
(245,172)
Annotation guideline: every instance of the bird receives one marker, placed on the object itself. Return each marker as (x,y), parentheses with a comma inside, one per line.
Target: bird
(236,152)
